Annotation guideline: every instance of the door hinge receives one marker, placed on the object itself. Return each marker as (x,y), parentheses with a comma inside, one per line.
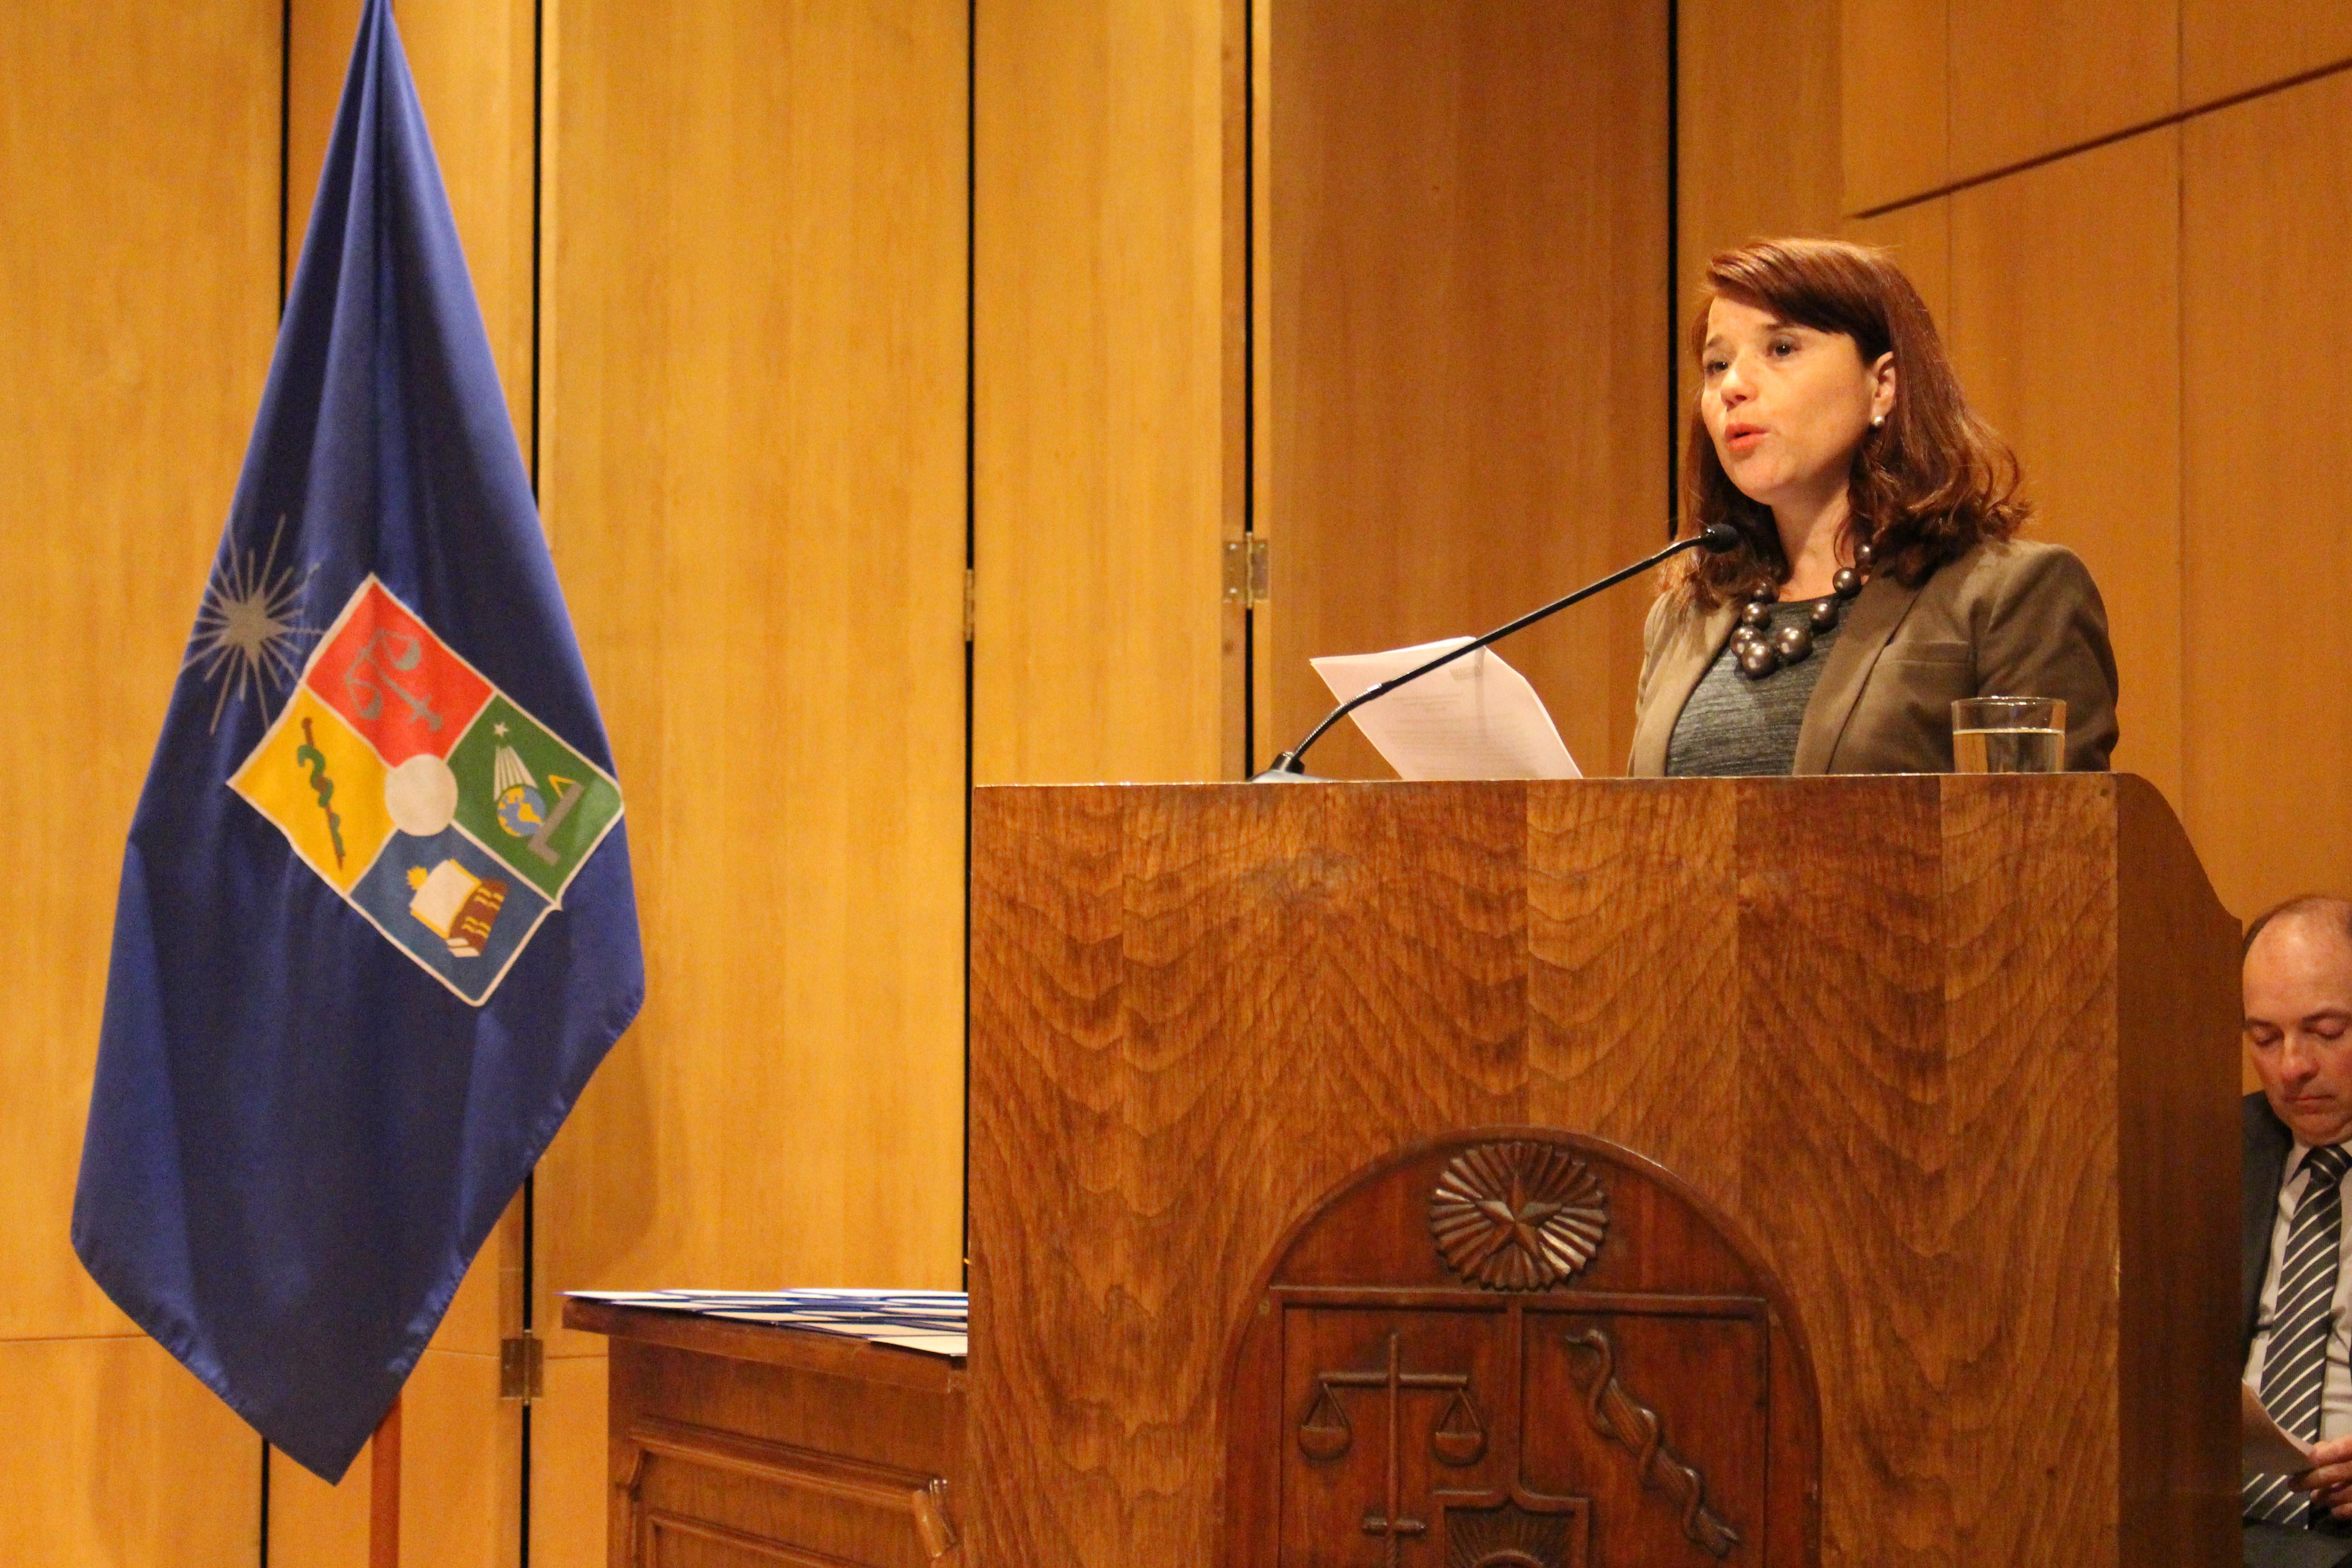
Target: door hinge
(522,1368)
(970,608)
(1246,570)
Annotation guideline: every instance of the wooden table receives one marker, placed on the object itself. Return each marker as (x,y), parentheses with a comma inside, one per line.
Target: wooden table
(738,1443)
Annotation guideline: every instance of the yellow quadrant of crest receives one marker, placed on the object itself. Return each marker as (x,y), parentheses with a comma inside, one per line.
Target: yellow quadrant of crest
(310,745)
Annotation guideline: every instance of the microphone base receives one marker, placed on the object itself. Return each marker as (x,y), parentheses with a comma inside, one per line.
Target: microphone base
(1279,774)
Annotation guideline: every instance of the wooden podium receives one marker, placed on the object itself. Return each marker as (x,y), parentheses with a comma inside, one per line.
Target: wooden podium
(1609,1173)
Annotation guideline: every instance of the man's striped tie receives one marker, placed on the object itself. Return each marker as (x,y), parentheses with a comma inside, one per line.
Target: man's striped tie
(2295,1367)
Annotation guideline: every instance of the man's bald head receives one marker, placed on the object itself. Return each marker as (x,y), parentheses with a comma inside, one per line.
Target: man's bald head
(2298,1014)
(2326,908)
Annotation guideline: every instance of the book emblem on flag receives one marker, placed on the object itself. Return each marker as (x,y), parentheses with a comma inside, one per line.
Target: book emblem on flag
(457,906)
(414,787)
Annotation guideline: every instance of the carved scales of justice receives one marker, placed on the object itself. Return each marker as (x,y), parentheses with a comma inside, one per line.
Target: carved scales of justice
(1510,1217)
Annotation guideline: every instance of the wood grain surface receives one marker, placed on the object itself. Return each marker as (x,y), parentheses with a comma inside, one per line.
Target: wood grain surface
(1109,389)
(138,262)
(735,1444)
(2178,982)
(2028,911)
(753,480)
(1697,1331)
(754,487)
(1463,341)
(2231,46)
(1847,1138)
(2060,357)
(1878,1023)
(2030,80)
(1895,107)
(2266,215)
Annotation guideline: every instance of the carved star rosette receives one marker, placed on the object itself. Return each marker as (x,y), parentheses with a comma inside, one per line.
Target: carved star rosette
(1517,1216)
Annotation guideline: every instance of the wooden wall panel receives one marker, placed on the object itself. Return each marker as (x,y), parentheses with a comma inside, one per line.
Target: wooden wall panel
(314,1525)
(2031,78)
(476,69)
(2235,45)
(121,1457)
(1759,151)
(129,384)
(1466,408)
(139,175)
(1920,235)
(460,1480)
(1895,120)
(318,36)
(1756,151)
(567,1463)
(2079,366)
(2266,220)
(753,417)
(473,65)
(1108,397)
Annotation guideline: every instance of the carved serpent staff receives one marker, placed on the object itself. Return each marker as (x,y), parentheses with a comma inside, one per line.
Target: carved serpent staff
(1617,1415)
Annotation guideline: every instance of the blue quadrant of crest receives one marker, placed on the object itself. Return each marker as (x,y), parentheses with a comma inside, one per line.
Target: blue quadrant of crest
(385,894)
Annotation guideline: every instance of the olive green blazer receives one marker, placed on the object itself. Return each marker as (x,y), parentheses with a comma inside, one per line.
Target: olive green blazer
(2021,619)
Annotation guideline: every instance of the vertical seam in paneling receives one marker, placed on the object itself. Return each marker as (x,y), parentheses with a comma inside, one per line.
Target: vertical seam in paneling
(2180,445)
(530,1182)
(1950,94)
(1249,373)
(285,158)
(537,198)
(285,136)
(1674,261)
(971,563)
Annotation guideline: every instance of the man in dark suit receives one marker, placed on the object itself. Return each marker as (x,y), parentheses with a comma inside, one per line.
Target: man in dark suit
(2296,1299)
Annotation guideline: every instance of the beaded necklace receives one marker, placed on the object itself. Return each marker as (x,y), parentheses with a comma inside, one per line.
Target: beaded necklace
(1760,653)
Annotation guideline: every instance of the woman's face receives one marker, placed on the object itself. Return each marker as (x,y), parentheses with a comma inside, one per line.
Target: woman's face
(1787,406)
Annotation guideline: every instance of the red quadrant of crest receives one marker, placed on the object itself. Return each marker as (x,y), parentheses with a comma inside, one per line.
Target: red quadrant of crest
(386,672)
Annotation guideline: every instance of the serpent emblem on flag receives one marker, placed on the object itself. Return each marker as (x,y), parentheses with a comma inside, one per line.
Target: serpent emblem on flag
(438,809)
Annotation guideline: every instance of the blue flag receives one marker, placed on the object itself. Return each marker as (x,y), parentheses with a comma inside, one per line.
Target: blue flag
(376,926)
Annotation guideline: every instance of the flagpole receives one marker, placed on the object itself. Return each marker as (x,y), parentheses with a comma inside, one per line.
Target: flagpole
(384,1491)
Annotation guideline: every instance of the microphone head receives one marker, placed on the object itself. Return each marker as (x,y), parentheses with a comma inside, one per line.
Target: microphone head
(1716,538)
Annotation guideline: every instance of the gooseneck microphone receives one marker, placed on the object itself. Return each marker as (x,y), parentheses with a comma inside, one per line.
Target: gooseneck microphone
(1715,539)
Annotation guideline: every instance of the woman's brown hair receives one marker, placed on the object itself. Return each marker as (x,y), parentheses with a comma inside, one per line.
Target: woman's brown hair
(1931,482)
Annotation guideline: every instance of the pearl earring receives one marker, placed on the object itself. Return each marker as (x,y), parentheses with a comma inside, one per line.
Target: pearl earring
(1876,420)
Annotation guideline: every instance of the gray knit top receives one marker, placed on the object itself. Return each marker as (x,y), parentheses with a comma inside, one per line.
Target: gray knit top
(1734,725)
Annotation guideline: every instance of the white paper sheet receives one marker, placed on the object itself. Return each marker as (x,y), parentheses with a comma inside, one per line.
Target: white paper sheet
(2263,1449)
(1475,719)
(933,1322)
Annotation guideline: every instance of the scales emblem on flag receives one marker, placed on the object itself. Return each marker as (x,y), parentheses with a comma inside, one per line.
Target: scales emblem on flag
(441,811)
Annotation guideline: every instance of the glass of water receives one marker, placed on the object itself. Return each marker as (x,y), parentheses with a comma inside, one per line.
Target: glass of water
(2008,735)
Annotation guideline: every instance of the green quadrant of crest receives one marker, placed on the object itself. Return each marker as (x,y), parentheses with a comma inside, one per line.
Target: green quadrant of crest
(545,760)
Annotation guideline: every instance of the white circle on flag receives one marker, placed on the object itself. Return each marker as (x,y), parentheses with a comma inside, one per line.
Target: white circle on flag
(422,796)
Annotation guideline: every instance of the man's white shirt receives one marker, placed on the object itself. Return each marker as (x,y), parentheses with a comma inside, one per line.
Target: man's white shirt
(2335,1392)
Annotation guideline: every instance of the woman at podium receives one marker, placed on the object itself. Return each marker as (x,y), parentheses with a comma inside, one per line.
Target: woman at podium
(1880,574)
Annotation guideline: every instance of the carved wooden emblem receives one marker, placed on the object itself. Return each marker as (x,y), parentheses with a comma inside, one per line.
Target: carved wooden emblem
(1518,1216)
(1458,1436)
(1521,1395)
(1616,1415)
(1522,1530)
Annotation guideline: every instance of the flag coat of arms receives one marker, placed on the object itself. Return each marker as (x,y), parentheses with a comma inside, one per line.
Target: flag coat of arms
(376,926)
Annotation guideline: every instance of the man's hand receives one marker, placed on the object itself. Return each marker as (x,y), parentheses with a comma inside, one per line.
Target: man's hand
(2330,1479)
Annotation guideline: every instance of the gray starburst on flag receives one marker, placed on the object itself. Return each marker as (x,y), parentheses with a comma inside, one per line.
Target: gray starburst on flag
(250,630)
